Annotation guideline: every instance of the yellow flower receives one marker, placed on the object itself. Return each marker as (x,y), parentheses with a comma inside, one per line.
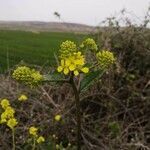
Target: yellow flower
(12,123)
(76,72)
(57,117)
(5,103)
(66,71)
(7,114)
(85,70)
(72,67)
(59,69)
(3,118)
(105,58)
(3,121)
(40,139)
(74,63)
(22,97)
(33,131)
(8,111)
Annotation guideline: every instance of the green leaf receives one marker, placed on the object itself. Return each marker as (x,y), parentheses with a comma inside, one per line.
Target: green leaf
(90,78)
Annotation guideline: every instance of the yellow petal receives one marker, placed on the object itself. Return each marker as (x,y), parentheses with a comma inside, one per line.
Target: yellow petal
(62,62)
(59,69)
(76,73)
(40,139)
(67,62)
(79,61)
(22,97)
(85,70)
(72,67)
(66,71)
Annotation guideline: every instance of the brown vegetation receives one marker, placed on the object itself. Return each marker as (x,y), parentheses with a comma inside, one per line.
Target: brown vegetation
(115,110)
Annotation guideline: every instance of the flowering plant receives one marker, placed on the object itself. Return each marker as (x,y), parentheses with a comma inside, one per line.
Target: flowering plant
(75,70)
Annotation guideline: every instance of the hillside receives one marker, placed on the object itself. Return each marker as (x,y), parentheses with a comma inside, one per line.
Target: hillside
(37,26)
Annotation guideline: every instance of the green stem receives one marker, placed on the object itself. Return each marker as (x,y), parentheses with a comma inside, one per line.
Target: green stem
(78,113)
(33,147)
(13,139)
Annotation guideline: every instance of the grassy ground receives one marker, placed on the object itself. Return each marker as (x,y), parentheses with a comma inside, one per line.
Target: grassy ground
(115,109)
(32,48)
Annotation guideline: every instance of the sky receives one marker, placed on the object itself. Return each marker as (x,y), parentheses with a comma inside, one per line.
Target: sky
(90,12)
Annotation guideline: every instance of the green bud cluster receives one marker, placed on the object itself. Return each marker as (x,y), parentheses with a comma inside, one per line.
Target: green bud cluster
(89,44)
(105,58)
(67,48)
(27,75)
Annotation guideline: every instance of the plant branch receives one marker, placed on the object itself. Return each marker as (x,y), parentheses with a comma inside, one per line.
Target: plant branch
(78,113)
(13,139)
(50,99)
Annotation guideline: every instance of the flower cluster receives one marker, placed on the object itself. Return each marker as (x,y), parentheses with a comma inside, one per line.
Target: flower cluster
(4,103)
(40,139)
(12,123)
(29,76)
(89,44)
(57,118)
(8,114)
(67,48)
(105,58)
(22,98)
(33,131)
(74,63)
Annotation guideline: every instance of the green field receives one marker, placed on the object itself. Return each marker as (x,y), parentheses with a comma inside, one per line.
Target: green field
(32,48)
